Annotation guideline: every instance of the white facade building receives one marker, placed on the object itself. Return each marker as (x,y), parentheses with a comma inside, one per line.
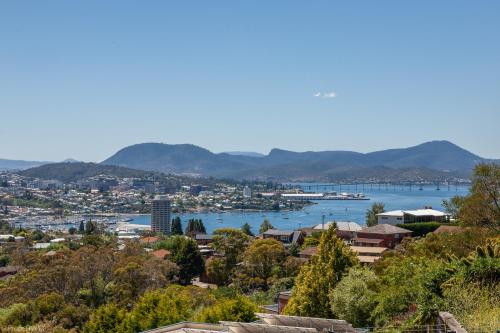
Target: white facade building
(412,216)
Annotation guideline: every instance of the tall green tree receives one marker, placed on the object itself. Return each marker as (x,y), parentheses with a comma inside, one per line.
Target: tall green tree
(265,226)
(318,277)
(195,226)
(176,228)
(452,206)
(371,213)
(247,229)
(482,206)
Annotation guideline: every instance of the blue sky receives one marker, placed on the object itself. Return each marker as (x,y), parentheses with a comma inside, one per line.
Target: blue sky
(84,79)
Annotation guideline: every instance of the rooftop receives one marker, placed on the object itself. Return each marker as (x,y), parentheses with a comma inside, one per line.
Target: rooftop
(416,212)
(369,249)
(341,225)
(276,232)
(385,229)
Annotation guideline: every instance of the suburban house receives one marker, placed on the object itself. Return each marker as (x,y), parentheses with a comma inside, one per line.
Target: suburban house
(381,235)
(285,236)
(345,230)
(412,216)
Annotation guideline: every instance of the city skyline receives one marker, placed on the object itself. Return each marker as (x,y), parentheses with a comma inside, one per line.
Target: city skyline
(83,80)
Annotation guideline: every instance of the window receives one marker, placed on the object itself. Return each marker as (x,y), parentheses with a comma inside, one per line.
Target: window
(384,217)
(399,218)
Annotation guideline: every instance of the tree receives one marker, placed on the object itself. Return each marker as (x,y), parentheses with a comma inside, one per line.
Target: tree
(90,227)
(107,318)
(452,206)
(294,249)
(247,229)
(239,308)
(318,277)
(482,206)
(230,244)
(262,257)
(195,226)
(354,297)
(186,255)
(265,226)
(176,226)
(81,229)
(371,214)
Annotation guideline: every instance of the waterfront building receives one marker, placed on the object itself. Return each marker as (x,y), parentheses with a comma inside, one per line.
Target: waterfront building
(412,216)
(160,215)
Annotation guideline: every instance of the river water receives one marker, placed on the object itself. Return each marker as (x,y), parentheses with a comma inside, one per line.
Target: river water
(338,210)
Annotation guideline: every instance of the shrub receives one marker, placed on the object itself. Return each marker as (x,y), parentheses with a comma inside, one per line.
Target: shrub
(420,228)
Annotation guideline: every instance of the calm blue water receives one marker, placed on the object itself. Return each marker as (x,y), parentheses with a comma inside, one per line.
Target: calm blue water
(393,198)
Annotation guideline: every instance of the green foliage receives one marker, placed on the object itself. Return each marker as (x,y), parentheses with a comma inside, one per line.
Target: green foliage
(312,240)
(247,229)
(265,226)
(195,226)
(186,255)
(420,228)
(294,249)
(371,214)
(239,308)
(317,278)
(354,297)
(4,260)
(166,306)
(176,228)
(453,205)
(482,206)
(231,244)
(108,318)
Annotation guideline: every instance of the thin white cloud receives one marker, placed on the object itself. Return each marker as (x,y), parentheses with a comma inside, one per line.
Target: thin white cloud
(331,94)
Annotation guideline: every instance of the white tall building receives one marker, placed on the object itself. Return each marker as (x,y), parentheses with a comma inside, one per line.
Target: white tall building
(160,215)
(247,192)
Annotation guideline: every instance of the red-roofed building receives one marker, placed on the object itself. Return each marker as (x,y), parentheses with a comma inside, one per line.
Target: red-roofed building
(383,235)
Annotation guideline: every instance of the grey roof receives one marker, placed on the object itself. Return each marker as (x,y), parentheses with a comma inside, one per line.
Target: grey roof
(276,232)
(204,237)
(386,229)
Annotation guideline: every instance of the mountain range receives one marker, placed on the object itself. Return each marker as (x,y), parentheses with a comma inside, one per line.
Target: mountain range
(434,160)
(430,160)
